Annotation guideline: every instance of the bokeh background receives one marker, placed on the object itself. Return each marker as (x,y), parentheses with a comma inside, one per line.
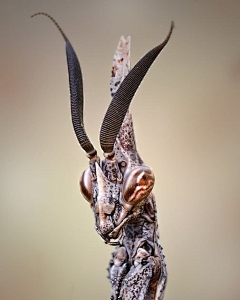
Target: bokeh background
(187,124)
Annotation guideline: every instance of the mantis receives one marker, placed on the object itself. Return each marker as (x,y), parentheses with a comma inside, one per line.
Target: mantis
(119,187)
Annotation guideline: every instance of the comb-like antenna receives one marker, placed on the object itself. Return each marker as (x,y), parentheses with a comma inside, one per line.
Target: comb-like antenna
(76,93)
(121,101)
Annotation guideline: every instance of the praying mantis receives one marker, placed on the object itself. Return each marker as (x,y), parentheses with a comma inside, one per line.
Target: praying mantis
(119,187)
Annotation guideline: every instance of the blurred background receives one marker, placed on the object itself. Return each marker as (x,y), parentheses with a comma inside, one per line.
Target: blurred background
(187,125)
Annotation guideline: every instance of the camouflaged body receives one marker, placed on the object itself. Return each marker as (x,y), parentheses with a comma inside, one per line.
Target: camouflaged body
(119,190)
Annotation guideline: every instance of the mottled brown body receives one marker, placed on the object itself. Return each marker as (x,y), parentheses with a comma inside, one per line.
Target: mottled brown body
(125,214)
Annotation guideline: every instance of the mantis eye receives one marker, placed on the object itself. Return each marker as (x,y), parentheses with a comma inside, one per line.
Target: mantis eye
(138,184)
(86,185)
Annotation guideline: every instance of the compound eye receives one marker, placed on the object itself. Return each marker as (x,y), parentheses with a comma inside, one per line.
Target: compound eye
(138,184)
(86,185)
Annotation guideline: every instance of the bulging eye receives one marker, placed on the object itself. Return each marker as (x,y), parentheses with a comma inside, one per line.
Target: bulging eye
(86,185)
(138,184)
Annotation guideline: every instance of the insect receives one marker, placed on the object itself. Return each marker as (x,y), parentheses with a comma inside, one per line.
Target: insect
(119,187)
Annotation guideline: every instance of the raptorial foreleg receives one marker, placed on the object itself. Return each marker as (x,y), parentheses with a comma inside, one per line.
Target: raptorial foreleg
(117,271)
(141,281)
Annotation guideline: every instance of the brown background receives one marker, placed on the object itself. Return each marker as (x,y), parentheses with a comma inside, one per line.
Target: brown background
(186,116)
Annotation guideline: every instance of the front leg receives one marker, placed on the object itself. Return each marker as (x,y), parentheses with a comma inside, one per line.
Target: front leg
(117,271)
(142,280)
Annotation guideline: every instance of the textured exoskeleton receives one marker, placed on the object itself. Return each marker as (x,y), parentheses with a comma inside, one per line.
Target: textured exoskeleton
(119,187)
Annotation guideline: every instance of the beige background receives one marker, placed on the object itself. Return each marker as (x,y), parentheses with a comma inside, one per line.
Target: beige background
(186,116)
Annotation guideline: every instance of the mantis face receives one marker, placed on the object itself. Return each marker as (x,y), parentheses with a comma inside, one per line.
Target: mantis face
(116,191)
